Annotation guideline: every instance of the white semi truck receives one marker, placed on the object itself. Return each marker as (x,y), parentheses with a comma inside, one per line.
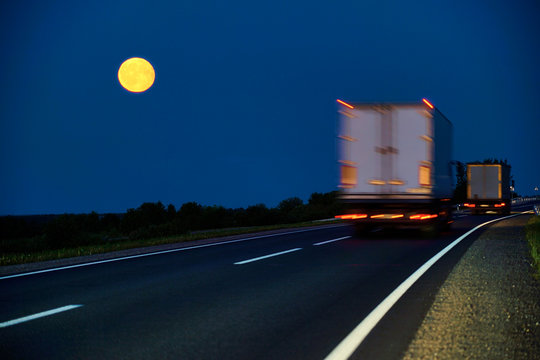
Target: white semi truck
(395,162)
(488,188)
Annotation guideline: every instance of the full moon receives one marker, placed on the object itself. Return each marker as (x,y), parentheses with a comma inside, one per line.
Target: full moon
(136,75)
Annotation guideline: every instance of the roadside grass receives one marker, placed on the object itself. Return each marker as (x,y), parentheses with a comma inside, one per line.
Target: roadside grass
(533,237)
(30,255)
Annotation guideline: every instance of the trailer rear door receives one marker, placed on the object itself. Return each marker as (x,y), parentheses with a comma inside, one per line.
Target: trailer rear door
(484,182)
(386,149)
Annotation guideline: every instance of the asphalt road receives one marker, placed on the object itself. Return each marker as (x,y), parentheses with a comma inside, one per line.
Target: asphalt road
(232,301)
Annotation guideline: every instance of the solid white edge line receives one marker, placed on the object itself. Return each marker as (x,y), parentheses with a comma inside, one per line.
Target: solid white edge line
(159,253)
(266,256)
(349,345)
(38,315)
(329,241)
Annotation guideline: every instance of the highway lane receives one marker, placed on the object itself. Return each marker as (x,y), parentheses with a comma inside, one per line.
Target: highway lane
(209,303)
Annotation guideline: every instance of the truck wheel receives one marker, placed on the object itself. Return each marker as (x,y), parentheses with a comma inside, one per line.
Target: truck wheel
(447,223)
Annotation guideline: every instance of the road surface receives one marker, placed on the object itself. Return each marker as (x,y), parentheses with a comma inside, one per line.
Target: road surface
(296,295)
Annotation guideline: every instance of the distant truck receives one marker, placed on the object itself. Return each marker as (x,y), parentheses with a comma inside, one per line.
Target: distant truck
(488,188)
(395,162)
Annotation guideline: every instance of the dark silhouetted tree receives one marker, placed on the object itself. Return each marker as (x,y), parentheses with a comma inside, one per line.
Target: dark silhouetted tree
(189,217)
(145,215)
(291,210)
(258,215)
(171,212)
(69,230)
(460,192)
(323,206)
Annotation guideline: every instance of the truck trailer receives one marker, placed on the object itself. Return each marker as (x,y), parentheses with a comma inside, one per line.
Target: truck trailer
(395,165)
(488,188)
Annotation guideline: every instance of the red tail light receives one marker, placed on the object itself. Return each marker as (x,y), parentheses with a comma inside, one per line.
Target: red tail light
(351,216)
(423,216)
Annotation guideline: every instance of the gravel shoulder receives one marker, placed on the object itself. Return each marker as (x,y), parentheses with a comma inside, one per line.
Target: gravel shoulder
(489,306)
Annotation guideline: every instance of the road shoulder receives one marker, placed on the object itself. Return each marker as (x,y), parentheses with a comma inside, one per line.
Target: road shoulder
(488,307)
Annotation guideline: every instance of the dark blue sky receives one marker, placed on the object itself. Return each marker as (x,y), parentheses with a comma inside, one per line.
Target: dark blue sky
(243,107)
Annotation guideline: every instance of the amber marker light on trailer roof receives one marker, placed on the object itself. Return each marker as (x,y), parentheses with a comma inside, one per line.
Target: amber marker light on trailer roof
(428,103)
(344,103)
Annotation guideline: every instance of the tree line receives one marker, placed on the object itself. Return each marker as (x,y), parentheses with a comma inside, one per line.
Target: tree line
(154,219)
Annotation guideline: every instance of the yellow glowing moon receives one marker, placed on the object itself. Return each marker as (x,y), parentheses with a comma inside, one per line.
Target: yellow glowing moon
(136,74)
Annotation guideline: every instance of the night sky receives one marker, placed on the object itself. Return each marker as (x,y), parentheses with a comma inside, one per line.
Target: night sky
(243,107)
